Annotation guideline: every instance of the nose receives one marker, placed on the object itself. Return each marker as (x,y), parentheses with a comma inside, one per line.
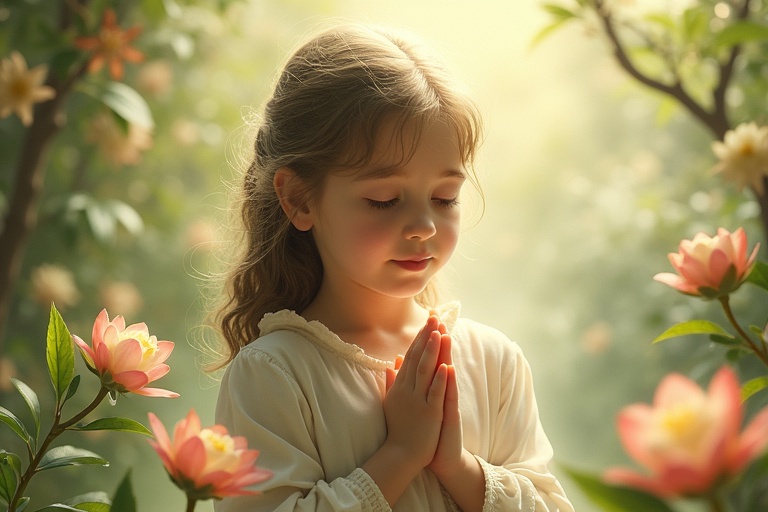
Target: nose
(419,225)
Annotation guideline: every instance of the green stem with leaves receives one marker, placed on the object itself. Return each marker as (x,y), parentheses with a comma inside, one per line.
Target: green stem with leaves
(57,429)
(758,349)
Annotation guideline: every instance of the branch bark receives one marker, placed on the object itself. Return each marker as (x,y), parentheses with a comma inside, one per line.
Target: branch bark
(714,119)
(21,218)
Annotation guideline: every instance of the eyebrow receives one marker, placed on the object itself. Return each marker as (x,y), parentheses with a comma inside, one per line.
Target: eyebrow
(387,172)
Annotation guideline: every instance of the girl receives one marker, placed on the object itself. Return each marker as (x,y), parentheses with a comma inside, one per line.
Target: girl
(350,207)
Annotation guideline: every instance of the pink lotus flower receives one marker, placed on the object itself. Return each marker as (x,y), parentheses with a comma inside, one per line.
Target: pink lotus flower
(689,439)
(126,359)
(710,266)
(206,463)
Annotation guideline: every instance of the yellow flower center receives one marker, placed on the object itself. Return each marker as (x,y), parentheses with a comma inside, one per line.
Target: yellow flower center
(217,443)
(747,148)
(148,343)
(112,41)
(685,426)
(20,89)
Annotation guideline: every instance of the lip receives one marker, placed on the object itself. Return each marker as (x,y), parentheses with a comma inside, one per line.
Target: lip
(415,264)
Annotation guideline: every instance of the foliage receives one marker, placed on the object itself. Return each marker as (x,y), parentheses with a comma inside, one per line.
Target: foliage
(705,59)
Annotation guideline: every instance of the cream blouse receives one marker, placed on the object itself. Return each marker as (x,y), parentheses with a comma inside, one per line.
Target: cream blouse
(312,405)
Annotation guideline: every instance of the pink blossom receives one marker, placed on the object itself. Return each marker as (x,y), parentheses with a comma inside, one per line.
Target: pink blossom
(710,266)
(206,463)
(689,440)
(126,359)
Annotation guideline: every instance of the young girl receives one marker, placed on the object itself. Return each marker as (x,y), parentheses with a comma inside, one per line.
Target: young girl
(350,207)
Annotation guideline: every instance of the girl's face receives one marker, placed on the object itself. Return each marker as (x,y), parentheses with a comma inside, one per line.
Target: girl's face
(390,227)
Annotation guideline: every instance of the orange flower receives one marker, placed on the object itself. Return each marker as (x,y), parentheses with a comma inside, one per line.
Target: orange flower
(111,46)
(710,266)
(206,462)
(126,358)
(689,440)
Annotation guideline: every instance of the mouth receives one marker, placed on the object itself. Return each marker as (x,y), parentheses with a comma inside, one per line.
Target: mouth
(414,265)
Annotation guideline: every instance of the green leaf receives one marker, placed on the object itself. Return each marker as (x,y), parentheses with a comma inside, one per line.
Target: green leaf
(616,499)
(12,459)
(101,222)
(90,502)
(741,32)
(16,425)
(559,12)
(32,401)
(60,354)
(759,275)
(127,103)
(545,32)
(124,500)
(753,386)
(70,456)
(72,387)
(126,215)
(23,502)
(9,478)
(724,340)
(117,424)
(693,327)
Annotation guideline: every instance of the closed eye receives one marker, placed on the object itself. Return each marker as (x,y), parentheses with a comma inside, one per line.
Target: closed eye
(447,203)
(382,205)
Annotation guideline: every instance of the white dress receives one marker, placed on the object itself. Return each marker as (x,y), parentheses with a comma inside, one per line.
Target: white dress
(312,405)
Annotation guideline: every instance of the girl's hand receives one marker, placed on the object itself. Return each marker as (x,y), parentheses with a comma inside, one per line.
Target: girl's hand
(413,406)
(450,445)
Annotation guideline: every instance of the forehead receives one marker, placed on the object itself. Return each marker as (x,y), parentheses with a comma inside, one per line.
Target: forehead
(434,143)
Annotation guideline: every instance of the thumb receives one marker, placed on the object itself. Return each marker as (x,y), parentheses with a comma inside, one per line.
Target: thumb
(391,374)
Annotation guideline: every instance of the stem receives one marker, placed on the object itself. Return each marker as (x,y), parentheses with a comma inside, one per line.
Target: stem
(191,503)
(715,503)
(56,430)
(762,354)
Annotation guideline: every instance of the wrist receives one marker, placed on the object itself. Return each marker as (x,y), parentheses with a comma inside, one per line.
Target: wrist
(465,482)
(392,468)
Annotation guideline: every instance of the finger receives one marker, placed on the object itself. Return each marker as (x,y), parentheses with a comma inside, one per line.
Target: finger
(425,371)
(445,355)
(390,378)
(416,349)
(436,395)
(451,414)
(442,328)
(398,361)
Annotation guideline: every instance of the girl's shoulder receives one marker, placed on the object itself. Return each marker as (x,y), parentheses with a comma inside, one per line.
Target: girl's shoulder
(481,340)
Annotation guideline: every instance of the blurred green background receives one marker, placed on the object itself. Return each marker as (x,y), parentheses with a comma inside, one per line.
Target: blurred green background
(589,182)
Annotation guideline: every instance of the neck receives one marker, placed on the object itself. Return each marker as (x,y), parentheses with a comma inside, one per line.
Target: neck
(381,325)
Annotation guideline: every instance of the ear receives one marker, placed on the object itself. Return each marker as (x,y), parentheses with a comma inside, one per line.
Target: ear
(288,187)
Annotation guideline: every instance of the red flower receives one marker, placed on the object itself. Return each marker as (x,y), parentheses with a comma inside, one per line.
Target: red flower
(111,46)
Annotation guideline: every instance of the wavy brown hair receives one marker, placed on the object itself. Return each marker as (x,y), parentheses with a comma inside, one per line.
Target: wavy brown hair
(328,105)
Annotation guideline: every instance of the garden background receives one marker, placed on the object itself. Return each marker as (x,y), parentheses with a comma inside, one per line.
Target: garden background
(589,180)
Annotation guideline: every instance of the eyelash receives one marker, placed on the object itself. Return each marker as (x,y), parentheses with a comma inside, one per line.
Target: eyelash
(383,205)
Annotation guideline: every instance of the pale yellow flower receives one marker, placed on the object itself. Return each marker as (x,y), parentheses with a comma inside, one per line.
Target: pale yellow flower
(743,155)
(21,87)
(54,283)
(121,296)
(118,146)
(156,78)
